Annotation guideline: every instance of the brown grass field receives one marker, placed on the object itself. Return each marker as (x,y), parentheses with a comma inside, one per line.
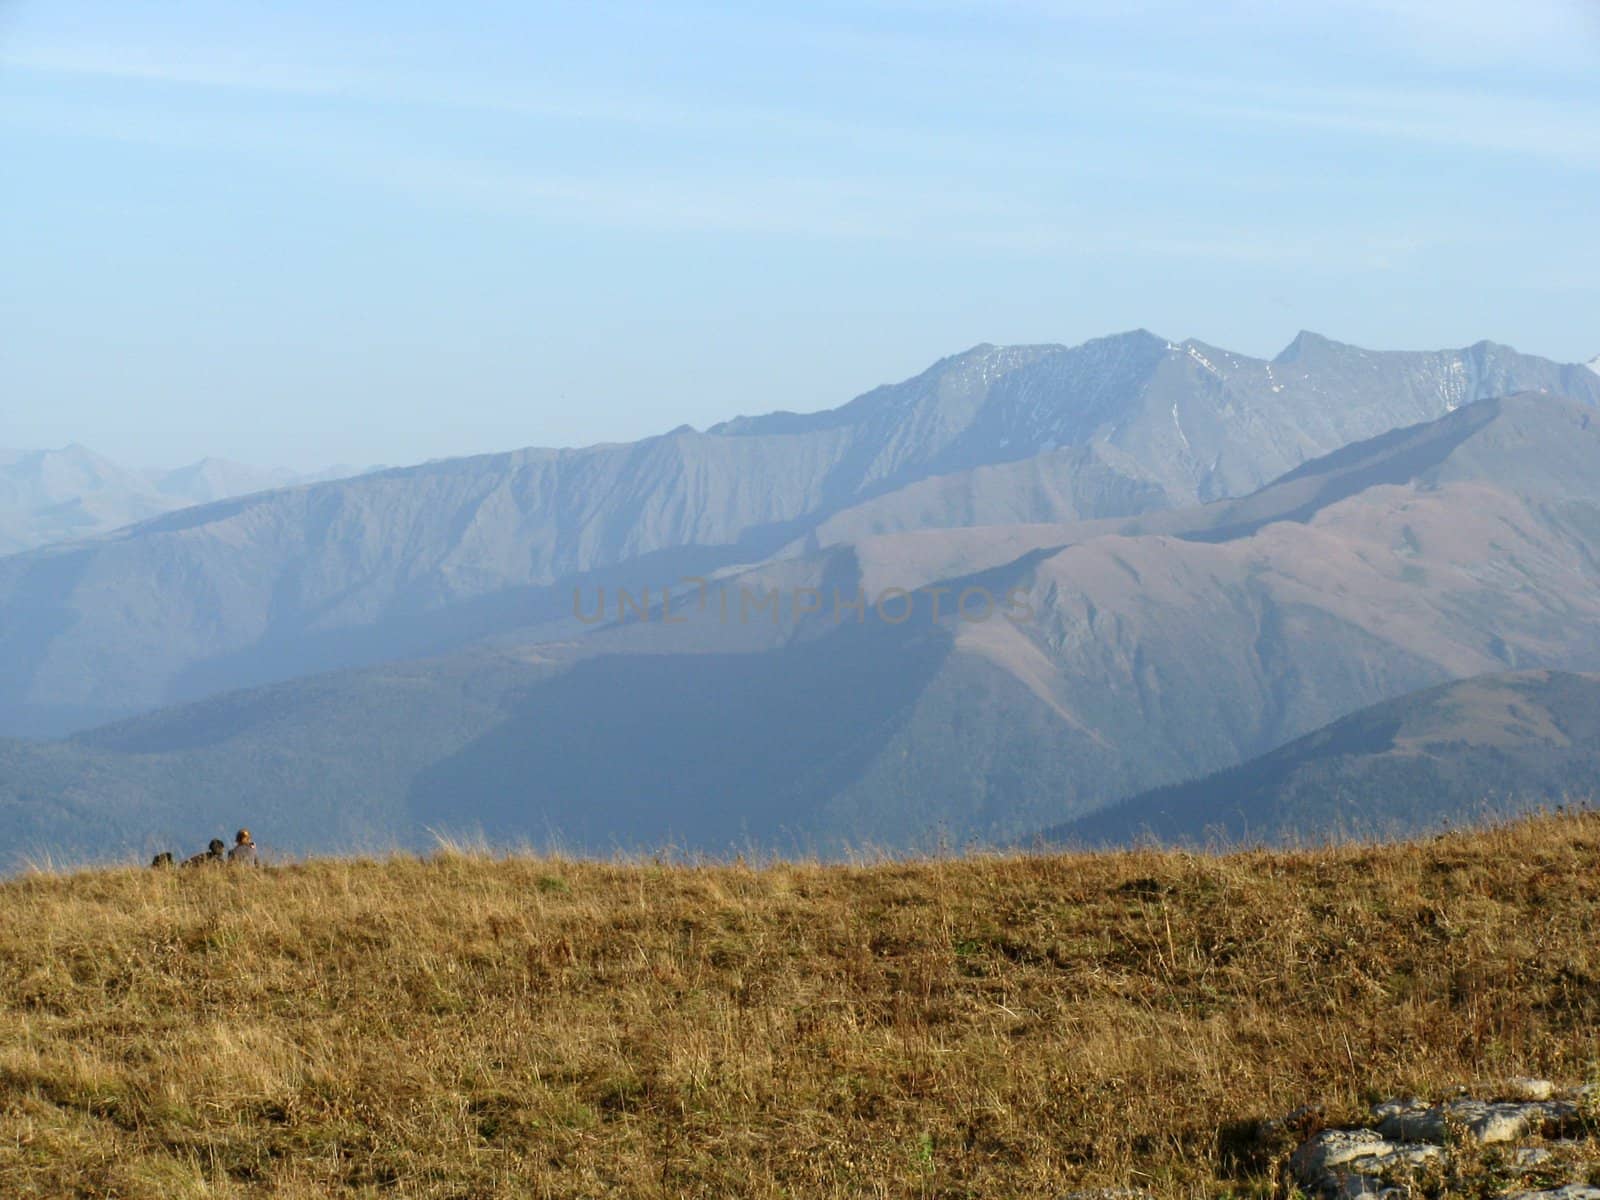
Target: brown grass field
(467,1026)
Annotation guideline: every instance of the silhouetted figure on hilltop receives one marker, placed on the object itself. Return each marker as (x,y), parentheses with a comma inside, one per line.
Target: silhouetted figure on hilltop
(215,853)
(243,853)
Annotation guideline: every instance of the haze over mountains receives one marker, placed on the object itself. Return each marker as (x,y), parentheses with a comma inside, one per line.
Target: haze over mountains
(51,496)
(1218,554)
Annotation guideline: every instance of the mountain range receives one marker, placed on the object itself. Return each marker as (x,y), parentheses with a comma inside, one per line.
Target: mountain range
(420,560)
(1207,557)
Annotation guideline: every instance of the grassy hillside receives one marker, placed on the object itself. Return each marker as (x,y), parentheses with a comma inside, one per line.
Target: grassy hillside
(465,1027)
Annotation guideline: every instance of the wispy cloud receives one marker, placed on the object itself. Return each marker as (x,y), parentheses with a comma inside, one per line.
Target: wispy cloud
(1519,123)
(1568,135)
(192,68)
(1525,107)
(750,202)
(1541,34)
(1522,123)
(542,102)
(975,185)
(928,214)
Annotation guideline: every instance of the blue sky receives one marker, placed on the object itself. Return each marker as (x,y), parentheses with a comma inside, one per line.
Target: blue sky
(297,233)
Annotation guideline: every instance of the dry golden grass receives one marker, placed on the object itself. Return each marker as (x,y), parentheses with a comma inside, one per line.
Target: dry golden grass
(462,1027)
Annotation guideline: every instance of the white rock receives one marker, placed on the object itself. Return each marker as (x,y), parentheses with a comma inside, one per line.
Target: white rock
(1334,1148)
(1407,1157)
(1411,1121)
(1412,1135)
(1491,1124)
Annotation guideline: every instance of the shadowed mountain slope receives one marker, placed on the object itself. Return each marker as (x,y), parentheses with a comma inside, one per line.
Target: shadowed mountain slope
(1451,755)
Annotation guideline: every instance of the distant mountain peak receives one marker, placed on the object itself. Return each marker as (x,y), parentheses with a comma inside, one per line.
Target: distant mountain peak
(76,459)
(1594,364)
(1306,343)
(1135,339)
(73,452)
(1024,352)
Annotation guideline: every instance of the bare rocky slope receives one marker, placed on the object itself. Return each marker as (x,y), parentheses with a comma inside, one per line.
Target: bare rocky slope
(420,560)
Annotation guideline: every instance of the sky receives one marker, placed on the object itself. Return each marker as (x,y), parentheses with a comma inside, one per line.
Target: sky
(296,233)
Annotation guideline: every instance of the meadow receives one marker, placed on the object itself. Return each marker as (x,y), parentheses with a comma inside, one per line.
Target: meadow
(465,1025)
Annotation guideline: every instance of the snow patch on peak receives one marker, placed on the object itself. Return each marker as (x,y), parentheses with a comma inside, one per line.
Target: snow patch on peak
(1202,360)
(1594,364)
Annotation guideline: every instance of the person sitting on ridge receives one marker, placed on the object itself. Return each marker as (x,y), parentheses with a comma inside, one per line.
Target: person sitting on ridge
(214,854)
(244,850)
